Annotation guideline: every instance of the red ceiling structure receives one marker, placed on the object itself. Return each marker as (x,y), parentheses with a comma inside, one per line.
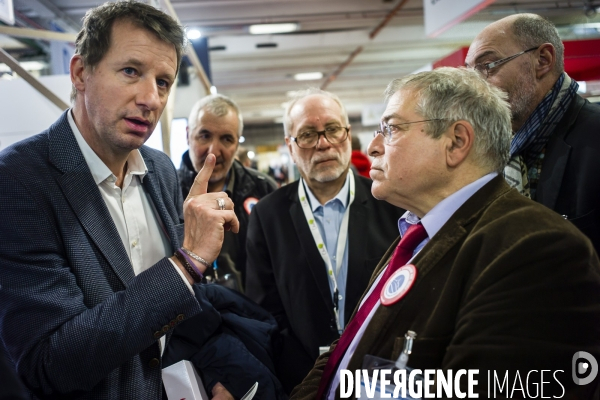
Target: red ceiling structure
(582,59)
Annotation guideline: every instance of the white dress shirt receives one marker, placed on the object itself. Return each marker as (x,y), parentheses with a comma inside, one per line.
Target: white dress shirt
(131,209)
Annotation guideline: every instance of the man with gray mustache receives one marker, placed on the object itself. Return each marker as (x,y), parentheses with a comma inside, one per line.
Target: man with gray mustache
(313,244)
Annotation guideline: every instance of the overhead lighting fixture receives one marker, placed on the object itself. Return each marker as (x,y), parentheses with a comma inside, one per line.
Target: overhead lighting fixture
(586,29)
(266,29)
(194,34)
(251,155)
(590,25)
(424,68)
(34,65)
(242,139)
(308,76)
(213,90)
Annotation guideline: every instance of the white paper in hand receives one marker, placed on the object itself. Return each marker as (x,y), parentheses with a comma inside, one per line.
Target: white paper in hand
(182,382)
(251,392)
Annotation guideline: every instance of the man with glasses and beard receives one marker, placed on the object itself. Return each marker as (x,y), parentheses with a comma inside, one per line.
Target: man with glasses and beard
(555,148)
(313,245)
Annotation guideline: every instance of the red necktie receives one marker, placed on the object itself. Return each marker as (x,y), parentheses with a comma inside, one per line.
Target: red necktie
(414,235)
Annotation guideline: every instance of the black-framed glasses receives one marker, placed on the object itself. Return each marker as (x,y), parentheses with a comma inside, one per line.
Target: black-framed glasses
(484,69)
(388,130)
(333,134)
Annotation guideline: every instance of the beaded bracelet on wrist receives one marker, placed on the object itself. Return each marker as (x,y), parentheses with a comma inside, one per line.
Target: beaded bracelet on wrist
(192,263)
(181,256)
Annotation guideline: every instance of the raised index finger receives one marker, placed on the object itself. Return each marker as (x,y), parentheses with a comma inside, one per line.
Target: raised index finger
(200,185)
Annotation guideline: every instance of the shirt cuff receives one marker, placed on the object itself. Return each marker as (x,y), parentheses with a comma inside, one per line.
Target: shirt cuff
(180,272)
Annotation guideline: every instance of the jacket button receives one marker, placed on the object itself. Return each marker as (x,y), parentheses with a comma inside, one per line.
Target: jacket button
(172,323)
(165,328)
(153,363)
(180,317)
(157,334)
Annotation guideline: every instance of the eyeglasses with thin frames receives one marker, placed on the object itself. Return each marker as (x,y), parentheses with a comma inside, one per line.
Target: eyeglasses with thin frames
(333,134)
(388,130)
(484,69)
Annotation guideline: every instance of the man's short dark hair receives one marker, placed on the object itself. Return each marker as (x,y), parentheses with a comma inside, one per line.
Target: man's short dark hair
(94,39)
(531,30)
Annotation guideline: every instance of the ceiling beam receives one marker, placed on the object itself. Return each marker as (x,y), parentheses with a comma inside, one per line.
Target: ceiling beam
(191,53)
(75,25)
(38,34)
(33,81)
(333,76)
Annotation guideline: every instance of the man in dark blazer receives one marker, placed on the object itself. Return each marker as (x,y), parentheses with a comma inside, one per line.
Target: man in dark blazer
(91,218)
(555,151)
(492,281)
(286,271)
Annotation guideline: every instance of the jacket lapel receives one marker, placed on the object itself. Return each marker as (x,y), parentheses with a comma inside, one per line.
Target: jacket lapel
(557,156)
(152,187)
(83,195)
(309,248)
(357,227)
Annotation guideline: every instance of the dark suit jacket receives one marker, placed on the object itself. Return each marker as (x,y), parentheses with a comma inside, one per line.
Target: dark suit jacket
(75,319)
(287,276)
(570,180)
(506,284)
(11,387)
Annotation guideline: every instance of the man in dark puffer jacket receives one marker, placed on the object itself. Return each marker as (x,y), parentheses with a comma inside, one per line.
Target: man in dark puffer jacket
(215,126)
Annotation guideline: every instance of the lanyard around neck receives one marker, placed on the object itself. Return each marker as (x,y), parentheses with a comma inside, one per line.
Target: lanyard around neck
(320,243)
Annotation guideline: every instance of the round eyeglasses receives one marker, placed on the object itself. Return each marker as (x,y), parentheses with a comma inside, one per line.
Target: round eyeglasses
(309,138)
(388,130)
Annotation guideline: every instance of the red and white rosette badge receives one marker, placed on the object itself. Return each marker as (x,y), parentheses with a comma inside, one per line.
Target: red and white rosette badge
(398,284)
(249,203)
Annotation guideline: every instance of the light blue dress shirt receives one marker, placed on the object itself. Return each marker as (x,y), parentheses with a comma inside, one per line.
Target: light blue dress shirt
(441,213)
(329,219)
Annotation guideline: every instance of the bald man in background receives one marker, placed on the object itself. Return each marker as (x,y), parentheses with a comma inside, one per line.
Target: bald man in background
(555,148)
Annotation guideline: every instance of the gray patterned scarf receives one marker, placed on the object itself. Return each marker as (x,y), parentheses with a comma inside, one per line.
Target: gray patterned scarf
(528,143)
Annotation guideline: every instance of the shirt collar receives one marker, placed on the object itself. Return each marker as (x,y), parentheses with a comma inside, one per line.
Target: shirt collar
(342,195)
(441,213)
(100,172)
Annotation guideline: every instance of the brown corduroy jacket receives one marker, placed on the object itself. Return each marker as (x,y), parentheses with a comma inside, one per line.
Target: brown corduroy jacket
(505,285)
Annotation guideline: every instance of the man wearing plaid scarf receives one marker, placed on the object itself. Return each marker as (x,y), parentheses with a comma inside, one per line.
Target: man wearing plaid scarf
(555,149)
